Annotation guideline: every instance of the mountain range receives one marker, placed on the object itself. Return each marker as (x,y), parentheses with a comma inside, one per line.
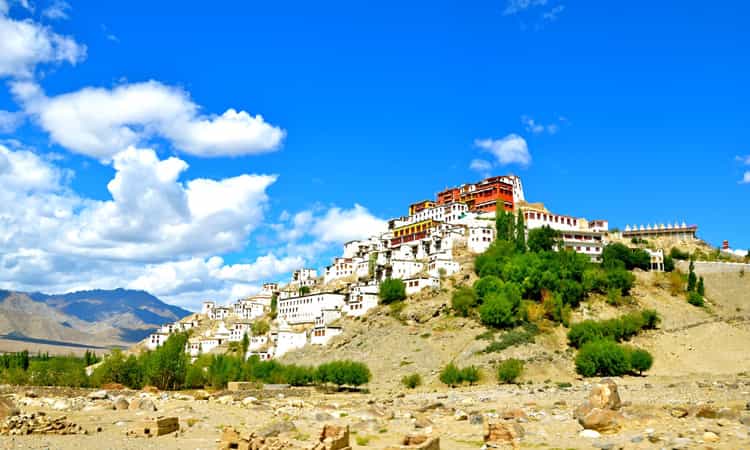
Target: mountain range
(84,319)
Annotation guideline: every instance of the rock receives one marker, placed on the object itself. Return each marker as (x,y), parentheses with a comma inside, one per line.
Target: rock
(604,395)
(30,394)
(150,389)
(726,413)
(200,395)
(589,434)
(38,423)
(706,412)
(502,432)
(422,422)
(61,405)
(7,408)
(460,415)
(604,445)
(323,417)
(248,401)
(121,403)
(710,436)
(679,443)
(417,443)
(514,414)
(601,420)
(98,395)
(184,397)
(679,412)
(225,400)
(636,439)
(476,419)
(142,404)
(745,420)
(276,429)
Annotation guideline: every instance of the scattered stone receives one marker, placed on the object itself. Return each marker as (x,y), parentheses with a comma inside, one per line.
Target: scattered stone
(154,427)
(30,394)
(121,403)
(460,415)
(514,414)
(422,422)
(7,408)
(61,405)
(98,395)
(277,428)
(679,412)
(502,432)
(476,419)
(417,443)
(601,420)
(706,412)
(142,404)
(333,438)
(745,420)
(239,386)
(636,439)
(38,423)
(589,434)
(150,389)
(710,436)
(248,401)
(599,412)
(322,416)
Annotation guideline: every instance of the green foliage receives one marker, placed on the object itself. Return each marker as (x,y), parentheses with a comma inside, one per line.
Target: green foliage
(412,381)
(487,285)
(274,304)
(511,338)
(195,377)
(692,279)
(640,360)
(58,371)
(700,288)
(505,225)
(392,290)
(117,368)
(618,278)
(166,366)
(542,239)
(619,329)
(470,374)
(17,360)
(614,297)
(520,238)
(500,309)
(617,255)
(450,375)
(342,373)
(509,370)
(602,358)
(260,328)
(695,299)
(463,300)
(669,264)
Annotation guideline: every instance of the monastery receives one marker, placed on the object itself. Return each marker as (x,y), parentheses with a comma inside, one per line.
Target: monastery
(417,248)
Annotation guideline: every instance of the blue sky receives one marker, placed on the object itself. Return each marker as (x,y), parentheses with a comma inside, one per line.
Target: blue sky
(635,113)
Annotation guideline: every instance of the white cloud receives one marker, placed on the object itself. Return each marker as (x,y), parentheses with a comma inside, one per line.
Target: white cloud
(155,231)
(480,165)
(343,225)
(57,10)
(746,178)
(24,44)
(508,150)
(744,159)
(10,121)
(100,122)
(532,126)
(517,6)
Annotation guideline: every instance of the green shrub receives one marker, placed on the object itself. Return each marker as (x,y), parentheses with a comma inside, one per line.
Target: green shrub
(695,299)
(260,328)
(464,299)
(651,319)
(595,280)
(519,336)
(392,290)
(676,253)
(412,381)
(497,311)
(621,279)
(487,285)
(344,373)
(509,370)
(450,375)
(669,264)
(602,358)
(195,378)
(614,297)
(542,239)
(619,329)
(470,374)
(640,360)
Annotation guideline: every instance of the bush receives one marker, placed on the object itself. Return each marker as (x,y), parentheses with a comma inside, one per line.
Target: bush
(487,285)
(392,290)
(344,373)
(618,255)
(116,368)
(450,375)
(621,279)
(260,328)
(602,358)
(463,300)
(509,370)
(619,329)
(500,309)
(695,299)
(470,374)
(166,366)
(676,253)
(512,338)
(640,360)
(542,239)
(668,264)
(412,381)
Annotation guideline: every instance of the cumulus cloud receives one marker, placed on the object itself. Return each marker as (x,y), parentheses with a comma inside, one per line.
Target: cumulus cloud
(100,122)
(746,178)
(24,44)
(508,150)
(156,231)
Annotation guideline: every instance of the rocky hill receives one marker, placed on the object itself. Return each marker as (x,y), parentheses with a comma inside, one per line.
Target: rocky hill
(78,320)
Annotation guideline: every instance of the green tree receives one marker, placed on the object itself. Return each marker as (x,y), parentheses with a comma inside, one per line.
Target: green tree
(700,288)
(274,304)
(450,375)
(499,310)
(520,233)
(245,344)
(542,239)
(463,300)
(602,358)
(392,290)
(166,366)
(412,381)
(640,360)
(509,370)
(304,290)
(692,279)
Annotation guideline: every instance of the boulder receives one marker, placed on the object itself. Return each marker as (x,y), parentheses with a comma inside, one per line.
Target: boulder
(706,412)
(604,395)
(422,422)
(679,412)
(417,442)
(710,436)
(277,428)
(502,433)
(601,420)
(7,408)
(516,414)
(98,395)
(142,404)
(121,403)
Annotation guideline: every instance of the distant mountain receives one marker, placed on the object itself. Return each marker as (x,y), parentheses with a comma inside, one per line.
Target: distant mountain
(98,318)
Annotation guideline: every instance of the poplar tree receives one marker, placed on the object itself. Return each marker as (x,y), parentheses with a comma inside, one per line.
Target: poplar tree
(520,233)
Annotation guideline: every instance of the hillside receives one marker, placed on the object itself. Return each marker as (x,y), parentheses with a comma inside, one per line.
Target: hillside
(426,338)
(78,320)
